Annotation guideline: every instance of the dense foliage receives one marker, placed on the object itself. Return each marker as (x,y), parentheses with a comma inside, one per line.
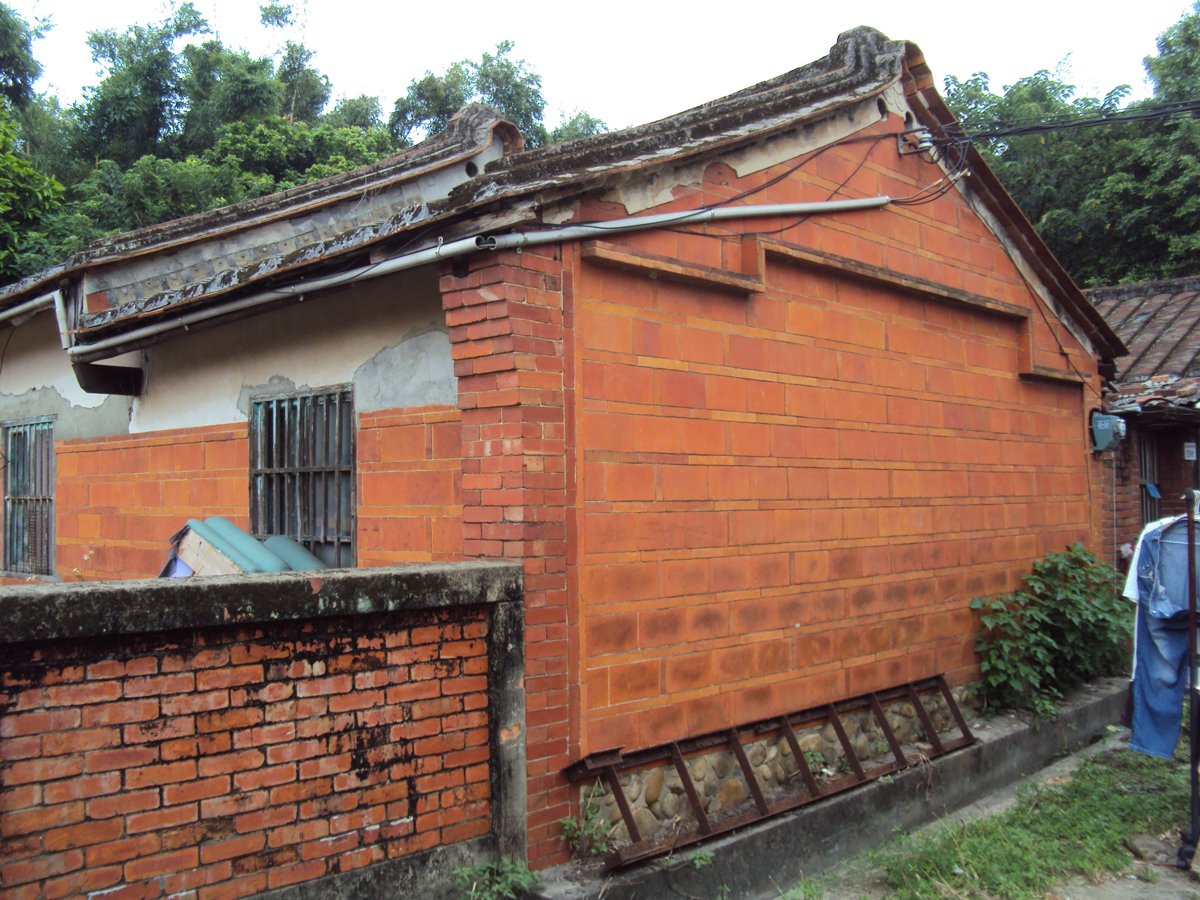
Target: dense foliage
(1116,203)
(180,122)
(1067,625)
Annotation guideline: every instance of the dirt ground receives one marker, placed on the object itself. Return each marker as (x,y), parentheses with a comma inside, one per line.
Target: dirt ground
(1152,874)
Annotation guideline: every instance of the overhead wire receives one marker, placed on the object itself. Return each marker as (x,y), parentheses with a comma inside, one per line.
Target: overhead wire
(1073,121)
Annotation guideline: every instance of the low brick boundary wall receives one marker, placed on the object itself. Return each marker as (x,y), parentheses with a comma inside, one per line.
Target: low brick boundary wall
(311,733)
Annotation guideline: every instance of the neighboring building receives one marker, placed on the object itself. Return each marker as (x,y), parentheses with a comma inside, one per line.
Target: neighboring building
(1156,390)
(754,456)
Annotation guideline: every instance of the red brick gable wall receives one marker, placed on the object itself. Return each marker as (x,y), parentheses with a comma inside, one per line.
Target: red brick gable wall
(789,495)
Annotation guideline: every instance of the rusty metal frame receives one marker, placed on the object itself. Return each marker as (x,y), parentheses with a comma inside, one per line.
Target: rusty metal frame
(607,764)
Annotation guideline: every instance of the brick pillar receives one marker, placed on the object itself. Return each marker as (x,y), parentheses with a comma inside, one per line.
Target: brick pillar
(509,342)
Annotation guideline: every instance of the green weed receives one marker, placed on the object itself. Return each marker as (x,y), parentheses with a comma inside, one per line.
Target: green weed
(588,836)
(505,878)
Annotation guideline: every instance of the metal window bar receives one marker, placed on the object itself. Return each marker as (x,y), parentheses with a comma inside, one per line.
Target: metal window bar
(29,497)
(302,472)
(1148,462)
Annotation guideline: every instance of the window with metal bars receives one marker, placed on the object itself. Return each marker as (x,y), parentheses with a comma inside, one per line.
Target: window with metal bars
(302,471)
(1148,462)
(29,497)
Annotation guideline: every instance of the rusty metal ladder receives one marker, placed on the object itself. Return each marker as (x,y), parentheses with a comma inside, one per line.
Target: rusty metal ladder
(607,764)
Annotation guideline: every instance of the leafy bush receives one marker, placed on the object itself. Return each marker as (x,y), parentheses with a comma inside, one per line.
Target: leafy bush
(1068,624)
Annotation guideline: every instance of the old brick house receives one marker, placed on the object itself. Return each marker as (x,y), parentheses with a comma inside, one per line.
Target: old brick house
(1156,390)
(760,395)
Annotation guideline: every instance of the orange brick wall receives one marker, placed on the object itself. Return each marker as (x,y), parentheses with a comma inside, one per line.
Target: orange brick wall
(119,499)
(791,496)
(410,486)
(236,760)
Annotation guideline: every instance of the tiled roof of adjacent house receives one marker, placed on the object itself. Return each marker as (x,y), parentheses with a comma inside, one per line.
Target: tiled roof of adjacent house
(1159,321)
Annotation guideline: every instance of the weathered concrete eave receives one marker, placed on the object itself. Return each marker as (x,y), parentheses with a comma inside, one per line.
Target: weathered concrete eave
(482,211)
(460,143)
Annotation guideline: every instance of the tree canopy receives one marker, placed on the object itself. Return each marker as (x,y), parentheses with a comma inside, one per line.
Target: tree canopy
(1118,202)
(180,122)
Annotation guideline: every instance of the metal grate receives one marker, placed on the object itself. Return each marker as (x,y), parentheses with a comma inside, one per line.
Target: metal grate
(607,764)
(29,497)
(302,471)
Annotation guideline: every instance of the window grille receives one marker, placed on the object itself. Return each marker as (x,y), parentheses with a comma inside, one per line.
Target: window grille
(302,472)
(1148,461)
(29,497)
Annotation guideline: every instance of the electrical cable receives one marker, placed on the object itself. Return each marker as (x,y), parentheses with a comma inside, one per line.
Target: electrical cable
(761,232)
(1070,122)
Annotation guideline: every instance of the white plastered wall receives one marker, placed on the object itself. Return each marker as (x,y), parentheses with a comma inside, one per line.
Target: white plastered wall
(31,356)
(385,336)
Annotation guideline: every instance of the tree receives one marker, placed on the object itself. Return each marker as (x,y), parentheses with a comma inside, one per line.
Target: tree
(287,152)
(1175,71)
(579,124)
(356,112)
(506,85)
(18,67)
(305,90)
(222,86)
(140,101)
(1116,203)
(26,197)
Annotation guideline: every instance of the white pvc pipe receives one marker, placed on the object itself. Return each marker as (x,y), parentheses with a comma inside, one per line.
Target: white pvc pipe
(60,313)
(37,304)
(105,347)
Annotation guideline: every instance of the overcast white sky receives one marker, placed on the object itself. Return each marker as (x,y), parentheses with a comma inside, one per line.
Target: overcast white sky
(632,62)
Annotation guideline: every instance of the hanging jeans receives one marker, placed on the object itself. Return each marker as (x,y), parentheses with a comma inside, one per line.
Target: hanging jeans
(1159,681)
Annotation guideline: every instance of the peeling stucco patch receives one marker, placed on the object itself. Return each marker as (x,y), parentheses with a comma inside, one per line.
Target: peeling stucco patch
(273,386)
(416,372)
(71,422)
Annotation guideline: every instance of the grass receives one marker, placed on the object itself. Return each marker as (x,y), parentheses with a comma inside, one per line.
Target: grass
(1052,833)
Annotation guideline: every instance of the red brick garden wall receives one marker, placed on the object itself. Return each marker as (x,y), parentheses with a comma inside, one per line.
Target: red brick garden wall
(234,760)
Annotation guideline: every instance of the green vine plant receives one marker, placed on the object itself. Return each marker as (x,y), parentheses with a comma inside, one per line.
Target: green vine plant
(588,836)
(505,879)
(1067,625)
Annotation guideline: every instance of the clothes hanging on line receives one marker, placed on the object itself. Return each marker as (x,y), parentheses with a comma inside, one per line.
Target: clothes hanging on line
(1157,583)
